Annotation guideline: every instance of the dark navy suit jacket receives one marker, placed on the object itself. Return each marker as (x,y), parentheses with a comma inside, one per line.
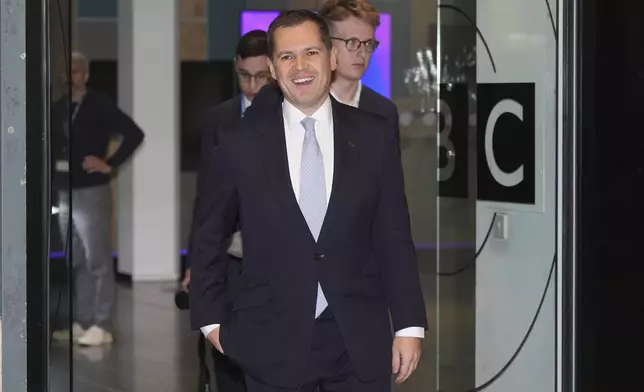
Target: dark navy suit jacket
(226,115)
(375,103)
(364,258)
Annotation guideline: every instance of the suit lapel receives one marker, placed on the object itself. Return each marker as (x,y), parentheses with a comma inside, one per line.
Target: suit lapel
(344,155)
(270,124)
(363,102)
(366,102)
(276,168)
(231,116)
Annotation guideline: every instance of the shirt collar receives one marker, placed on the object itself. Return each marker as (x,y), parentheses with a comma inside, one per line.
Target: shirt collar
(356,98)
(294,115)
(245,103)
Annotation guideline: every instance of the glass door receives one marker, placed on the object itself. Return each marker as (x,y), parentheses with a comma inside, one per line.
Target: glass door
(414,34)
(455,95)
(60,274)
(496,204)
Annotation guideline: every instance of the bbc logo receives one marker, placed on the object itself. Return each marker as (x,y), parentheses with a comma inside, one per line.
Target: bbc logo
(505,152)
(506,142)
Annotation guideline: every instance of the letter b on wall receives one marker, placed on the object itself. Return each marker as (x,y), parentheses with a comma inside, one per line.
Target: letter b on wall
(453,141)
(506,142)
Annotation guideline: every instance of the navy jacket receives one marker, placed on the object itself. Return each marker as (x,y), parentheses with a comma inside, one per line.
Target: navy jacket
(364,258)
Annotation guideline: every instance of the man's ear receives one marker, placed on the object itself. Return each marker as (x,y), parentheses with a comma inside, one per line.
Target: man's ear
(271,67)
(334,58)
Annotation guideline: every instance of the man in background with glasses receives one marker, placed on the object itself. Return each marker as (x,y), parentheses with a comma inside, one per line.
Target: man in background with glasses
(353,25)
(253,73)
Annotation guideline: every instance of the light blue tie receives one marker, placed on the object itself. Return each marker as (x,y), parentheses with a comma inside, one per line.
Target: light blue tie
(313,192)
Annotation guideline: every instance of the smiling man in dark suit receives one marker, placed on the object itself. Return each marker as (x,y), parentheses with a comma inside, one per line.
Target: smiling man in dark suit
(329,262)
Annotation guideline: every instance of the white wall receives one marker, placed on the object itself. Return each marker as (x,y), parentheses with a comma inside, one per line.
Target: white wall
(512,273)
(148,185)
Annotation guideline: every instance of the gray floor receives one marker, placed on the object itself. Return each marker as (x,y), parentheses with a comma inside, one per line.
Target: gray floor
(156,351)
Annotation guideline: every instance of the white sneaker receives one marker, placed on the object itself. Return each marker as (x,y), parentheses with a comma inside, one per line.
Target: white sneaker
(95,336)
(63,335)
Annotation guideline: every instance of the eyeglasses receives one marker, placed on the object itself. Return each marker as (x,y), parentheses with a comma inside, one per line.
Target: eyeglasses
(354,44)
(260,77)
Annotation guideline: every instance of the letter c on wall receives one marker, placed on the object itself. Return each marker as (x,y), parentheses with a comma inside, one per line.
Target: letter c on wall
(505,106)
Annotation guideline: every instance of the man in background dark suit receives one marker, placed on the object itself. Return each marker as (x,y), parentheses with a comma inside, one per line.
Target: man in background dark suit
(328,254)
(253,73)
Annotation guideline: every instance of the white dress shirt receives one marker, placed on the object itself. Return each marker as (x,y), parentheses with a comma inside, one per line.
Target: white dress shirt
(294,132)
(245,103)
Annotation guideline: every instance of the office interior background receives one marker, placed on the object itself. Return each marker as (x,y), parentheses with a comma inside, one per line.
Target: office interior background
(521,146)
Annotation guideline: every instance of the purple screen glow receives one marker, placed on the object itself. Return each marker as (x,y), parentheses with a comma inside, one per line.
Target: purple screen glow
(378,76)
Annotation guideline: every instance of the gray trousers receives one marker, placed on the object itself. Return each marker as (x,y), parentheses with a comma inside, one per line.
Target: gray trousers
(91,258)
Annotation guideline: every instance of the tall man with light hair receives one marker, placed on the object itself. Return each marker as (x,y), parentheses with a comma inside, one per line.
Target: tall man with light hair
(353,25)
(82,173)
(329,261)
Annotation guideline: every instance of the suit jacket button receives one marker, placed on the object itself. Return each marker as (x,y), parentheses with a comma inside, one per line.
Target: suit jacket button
(318,256)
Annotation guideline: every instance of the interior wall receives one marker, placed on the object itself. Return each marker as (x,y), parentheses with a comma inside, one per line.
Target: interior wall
(512,273)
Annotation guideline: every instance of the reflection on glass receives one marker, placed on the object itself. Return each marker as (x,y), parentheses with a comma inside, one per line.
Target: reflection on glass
(61,360)
(454,94)
(495,226)
(418,135)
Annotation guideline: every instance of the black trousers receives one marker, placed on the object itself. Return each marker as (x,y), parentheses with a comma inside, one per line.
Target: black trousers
(229,377)
(329,368)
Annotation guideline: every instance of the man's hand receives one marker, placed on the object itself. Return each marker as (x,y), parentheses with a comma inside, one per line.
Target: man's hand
(213,337)
(185,284)
(406,355)
(92,164)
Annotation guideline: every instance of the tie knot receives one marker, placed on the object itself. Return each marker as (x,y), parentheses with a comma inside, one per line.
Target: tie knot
(308,123)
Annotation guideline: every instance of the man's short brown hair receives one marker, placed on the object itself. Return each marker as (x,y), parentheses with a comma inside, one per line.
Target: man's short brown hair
(252,44)
(340,10)
(294,18)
